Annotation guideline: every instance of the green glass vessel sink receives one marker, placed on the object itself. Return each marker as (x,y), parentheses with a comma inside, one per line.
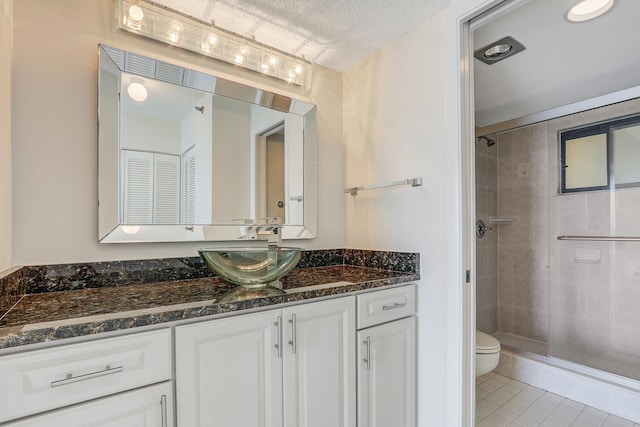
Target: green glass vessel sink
(254,269)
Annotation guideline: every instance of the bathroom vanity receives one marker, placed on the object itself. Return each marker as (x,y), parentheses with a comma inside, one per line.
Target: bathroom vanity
(151,343)
(308,358)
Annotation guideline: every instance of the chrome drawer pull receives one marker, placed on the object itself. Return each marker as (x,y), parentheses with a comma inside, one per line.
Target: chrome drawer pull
(294,334)
(278,324)
(395,305)
(163,410)
(108,370)
(367,358)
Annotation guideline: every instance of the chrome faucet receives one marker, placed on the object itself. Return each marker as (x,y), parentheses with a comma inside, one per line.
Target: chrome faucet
(273,232)
(274,240)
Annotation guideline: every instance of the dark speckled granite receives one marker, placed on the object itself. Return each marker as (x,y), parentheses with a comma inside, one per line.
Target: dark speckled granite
(11,290)
(321,258)
(405,262)
(65,277)
(72,300)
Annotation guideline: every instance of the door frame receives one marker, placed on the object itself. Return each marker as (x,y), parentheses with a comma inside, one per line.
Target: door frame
(261,168)
(467,22)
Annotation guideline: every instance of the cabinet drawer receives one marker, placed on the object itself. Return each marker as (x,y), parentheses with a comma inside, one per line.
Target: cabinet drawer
(385,306)
(40,380)
(145,407)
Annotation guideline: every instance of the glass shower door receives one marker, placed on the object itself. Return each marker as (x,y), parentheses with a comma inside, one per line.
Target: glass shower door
(594,267)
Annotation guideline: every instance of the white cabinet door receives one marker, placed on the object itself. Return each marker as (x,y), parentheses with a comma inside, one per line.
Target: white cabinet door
(386,374)
(146,407)
(234,372)
(228,372)
(319,371)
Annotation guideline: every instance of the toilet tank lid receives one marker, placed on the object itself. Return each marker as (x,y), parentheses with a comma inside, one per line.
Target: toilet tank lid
(485,343)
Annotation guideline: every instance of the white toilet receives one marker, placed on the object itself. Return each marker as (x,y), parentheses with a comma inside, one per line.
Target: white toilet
(487,353)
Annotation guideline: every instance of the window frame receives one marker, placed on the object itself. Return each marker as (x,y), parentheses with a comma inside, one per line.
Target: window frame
(607,129)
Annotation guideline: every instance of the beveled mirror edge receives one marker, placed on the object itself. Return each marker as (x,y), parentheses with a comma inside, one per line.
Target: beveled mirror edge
(207,82)
(110,229)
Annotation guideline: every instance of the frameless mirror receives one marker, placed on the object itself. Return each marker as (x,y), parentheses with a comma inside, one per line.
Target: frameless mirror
(188,156)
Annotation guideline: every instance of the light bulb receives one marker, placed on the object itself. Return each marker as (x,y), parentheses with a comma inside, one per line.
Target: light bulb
(135,17)
(137,91)
(176,31)
(239,58)
(210,42)
(298,69)
(273,60)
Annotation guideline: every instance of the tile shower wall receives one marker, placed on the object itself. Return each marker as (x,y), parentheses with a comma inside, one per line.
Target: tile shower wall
(591,294)
(487,246)
(523,194)
(594,302)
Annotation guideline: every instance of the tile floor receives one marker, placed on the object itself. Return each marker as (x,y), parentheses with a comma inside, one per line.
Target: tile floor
(501,401)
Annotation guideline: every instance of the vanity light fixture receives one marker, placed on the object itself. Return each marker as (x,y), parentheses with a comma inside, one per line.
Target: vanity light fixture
(136,89)
(148,19)
(586,10)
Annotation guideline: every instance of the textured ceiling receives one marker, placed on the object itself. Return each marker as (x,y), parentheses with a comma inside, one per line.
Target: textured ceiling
(334,33)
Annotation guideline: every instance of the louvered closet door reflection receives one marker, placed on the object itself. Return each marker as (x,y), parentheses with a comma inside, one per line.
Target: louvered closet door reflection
(138,187)
(151,188)
(189,187)
(166,185)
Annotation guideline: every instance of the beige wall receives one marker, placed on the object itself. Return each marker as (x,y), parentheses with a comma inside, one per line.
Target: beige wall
(395,128)
(6,53)
(55,128)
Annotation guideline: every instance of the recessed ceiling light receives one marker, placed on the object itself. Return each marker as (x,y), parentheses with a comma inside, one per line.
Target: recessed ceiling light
(498,50)
(585,10)
(136,89)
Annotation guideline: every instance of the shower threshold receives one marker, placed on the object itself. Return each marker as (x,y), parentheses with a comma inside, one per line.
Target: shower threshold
(518,343)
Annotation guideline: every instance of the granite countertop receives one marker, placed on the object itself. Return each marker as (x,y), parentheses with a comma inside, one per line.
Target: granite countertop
(49,316)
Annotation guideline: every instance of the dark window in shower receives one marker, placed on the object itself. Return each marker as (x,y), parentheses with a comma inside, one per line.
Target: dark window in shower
(601,157)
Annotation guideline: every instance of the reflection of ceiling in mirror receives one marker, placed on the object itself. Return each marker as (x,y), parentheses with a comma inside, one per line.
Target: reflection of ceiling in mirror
(164,100)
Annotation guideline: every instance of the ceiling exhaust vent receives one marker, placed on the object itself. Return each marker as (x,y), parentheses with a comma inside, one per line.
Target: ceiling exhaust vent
(498,50)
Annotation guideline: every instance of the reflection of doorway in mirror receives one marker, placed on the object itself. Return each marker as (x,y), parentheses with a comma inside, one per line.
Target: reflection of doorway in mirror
(274,175)
(270,172)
